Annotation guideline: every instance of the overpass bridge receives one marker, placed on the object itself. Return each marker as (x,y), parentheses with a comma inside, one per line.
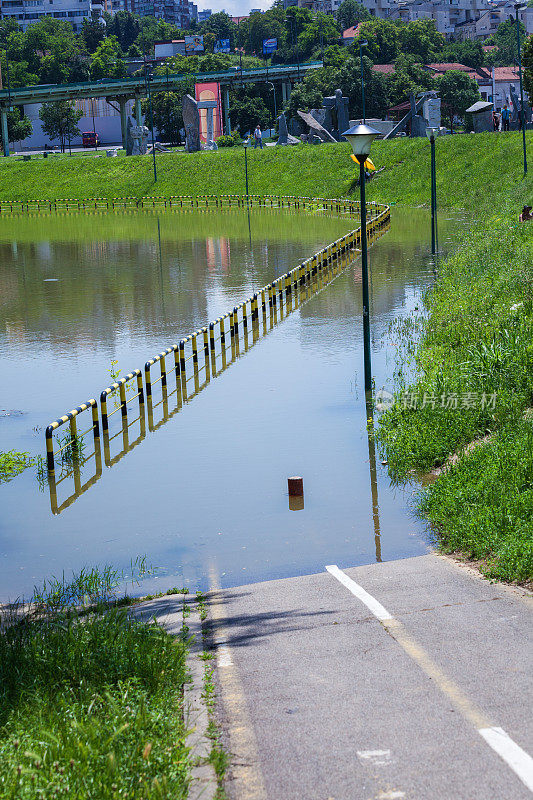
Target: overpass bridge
(121,90)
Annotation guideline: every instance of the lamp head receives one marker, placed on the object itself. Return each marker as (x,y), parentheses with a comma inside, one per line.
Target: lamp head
(361,138)
(431,133)
(363,43)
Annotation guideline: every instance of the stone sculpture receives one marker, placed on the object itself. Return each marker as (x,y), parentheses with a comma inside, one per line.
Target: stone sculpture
(191,121)
(337,117)
(284,137)
(316,127)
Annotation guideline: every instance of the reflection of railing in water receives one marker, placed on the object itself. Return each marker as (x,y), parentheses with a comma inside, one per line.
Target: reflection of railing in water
(285,294)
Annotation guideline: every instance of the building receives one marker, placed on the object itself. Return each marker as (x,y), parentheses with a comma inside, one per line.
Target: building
(447,14)
(167,49)
(204,14)
(176,12)
(26,12)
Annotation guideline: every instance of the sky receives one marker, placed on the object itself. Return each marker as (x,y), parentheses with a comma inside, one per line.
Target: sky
(235,8)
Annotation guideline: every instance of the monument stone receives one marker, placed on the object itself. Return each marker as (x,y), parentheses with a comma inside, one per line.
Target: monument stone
(191,122)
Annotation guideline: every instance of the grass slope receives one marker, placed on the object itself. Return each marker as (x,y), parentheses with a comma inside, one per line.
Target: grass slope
(467,165)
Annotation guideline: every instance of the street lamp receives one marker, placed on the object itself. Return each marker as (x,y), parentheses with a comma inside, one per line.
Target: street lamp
(362,44)
(361,138)
(273,90)
(246,143)
(431,133)
(148,76)
(518,7)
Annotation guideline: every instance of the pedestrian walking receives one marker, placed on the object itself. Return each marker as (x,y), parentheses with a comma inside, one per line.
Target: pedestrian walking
(506,115)
(258,137)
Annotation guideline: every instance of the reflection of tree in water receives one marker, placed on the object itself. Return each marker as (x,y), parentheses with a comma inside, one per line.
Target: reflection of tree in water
(124,277)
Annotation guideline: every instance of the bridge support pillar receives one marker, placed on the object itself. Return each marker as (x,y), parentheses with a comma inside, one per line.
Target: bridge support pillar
(138,112)
(285,92)
(227,121)
(123,121)
(5,136)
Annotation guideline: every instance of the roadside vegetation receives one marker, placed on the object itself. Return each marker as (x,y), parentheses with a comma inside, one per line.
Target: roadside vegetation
(13,463)
(91,699)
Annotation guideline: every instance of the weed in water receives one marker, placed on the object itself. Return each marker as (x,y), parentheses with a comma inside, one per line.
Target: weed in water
(13,463)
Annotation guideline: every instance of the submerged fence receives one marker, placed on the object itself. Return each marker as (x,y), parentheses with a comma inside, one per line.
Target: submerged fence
(182,370)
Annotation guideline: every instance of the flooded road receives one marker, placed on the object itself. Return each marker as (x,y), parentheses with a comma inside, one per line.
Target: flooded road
(208,489)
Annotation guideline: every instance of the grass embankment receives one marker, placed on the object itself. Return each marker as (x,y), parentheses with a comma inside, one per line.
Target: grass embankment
(470,168)
(91,703)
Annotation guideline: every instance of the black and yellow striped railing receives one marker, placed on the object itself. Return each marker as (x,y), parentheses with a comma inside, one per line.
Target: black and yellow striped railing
(211,349)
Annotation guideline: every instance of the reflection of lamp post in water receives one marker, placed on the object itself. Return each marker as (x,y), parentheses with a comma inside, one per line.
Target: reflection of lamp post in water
(373,474)
(431,133)
(361,138)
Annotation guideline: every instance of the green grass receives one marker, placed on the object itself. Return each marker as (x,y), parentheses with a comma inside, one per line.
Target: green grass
(466,165)
(476,345)
(91,700)
(483,506)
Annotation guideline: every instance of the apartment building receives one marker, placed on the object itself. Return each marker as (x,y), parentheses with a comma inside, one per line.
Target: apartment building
(26,12)
(487,24)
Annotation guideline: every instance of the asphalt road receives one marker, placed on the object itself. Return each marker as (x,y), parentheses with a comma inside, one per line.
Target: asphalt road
(420,689)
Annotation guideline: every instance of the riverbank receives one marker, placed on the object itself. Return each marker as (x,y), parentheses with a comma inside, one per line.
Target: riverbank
(473,172)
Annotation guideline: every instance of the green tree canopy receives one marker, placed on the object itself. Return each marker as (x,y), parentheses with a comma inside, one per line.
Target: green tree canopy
(458,91)
(383,40)
(351,13)
(167,113)
(470,52)
(92,33)
(106,61)
(505,40)
(221,26)
(527,60)
(408,76)
(421,39)
(19,126)
(60,121)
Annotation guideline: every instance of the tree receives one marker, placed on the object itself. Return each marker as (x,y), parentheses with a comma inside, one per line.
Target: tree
(527,60)
(420,38)
(167,114)
(221,26)
(60,121)
(351,13)
(408,76)
(470,52)
(383,40)
(322,31)
(457,91)
(106,61)
(125,26)
(51,49)
(505,40)
(247,109)
(92,33)
(19,126)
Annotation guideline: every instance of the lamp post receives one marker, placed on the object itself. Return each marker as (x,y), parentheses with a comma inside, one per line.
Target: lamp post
(431,133)
(518,7)
(362,44)
(273,90)
(361,138)
(148,77)
(246,142)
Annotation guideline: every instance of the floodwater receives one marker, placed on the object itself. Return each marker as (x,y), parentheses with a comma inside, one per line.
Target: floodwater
(206,492)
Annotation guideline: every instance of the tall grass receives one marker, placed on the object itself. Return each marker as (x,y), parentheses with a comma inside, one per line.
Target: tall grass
(90,701)
(477,342)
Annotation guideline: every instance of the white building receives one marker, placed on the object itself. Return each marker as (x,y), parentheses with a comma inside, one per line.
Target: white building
(26,12)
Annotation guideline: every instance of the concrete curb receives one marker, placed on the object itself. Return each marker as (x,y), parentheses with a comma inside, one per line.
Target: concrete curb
(204,780)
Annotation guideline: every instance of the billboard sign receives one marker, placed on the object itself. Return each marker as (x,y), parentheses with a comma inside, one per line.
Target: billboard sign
(222,46)
(194,44)
(269,46)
